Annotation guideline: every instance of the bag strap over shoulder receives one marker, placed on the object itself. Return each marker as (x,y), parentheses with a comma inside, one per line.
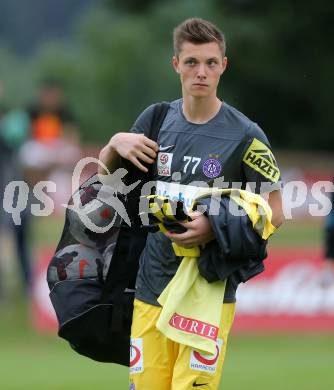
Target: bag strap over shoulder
(158,117)
(159,114)
(115,283)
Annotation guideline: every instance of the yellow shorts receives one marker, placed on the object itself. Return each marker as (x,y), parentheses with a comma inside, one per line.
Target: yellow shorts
(158,363)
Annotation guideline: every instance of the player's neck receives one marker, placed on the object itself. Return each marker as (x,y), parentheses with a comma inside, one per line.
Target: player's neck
(200,110)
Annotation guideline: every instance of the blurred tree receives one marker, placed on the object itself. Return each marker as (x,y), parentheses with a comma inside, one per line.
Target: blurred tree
(17,80)
(281,57)
(280,64)
(26,24)
(131,6)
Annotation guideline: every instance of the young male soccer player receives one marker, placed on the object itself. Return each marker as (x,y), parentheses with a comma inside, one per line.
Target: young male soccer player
(202,138)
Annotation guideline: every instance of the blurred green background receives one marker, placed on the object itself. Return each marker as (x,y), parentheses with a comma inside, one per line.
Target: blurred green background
(113,58)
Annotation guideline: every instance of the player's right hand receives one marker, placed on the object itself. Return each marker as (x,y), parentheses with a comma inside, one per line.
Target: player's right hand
(136,148)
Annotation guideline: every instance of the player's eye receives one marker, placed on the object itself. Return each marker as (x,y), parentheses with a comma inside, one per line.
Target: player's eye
(190,61)
(212,62)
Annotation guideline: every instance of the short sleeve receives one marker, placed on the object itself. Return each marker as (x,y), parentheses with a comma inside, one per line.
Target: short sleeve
(143,122)
(259,163)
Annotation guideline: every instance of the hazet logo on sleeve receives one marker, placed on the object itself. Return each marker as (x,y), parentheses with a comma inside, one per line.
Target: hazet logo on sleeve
(260,158)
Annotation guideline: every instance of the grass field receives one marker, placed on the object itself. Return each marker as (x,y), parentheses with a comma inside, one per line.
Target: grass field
(29,361)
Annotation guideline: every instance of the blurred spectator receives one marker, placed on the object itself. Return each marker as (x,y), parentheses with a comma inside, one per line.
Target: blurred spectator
(14,127)
(53,147)
(35,143)
(3,150)
(51,119)
(54,139)
(327,275)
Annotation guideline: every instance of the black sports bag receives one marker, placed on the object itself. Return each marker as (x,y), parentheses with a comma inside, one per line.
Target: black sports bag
(92,275)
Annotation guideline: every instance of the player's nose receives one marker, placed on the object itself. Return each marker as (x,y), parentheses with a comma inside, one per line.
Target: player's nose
(201,72)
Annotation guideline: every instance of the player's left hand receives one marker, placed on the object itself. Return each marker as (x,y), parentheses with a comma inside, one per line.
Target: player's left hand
(199,231)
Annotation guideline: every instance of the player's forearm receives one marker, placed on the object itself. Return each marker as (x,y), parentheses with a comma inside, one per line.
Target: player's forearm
(110,158)
(275,202)
(278,218)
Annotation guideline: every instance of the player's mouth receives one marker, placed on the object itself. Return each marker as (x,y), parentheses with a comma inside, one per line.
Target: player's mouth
(200,85)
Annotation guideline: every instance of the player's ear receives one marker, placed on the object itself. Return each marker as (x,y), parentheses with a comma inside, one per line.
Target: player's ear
(224,65)
(175,63)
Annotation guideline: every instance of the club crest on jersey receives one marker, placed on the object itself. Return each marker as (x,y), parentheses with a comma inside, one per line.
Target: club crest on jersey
(136,356)
(212,168)
(260,158)
(164,164)
(206,362)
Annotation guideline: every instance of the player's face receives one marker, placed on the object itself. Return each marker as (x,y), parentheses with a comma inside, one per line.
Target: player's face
(51,97)
(200,67)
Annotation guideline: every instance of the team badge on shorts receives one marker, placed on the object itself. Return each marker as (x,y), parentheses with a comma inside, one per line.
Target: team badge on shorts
(206,362)
(136,356)
(212,168)
(164,164)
